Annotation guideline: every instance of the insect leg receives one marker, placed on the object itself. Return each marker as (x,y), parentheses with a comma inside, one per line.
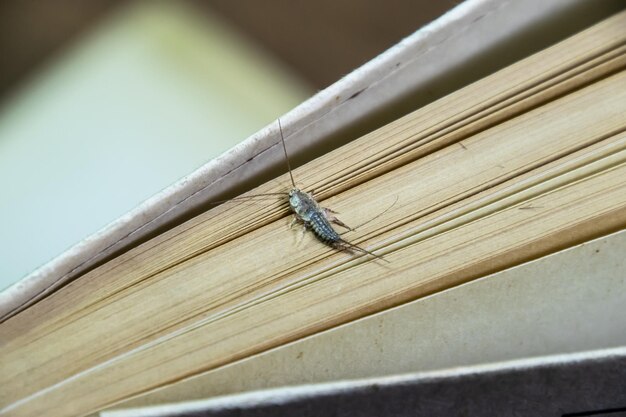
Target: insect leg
(328,213)
(304,230)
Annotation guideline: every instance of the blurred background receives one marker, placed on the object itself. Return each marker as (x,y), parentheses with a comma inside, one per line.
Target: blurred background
(105,102)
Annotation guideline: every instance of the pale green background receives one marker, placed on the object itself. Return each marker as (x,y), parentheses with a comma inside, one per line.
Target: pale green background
(144,99)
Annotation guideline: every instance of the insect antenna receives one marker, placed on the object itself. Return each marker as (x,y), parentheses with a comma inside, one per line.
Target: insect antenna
(373,218)
(282,138)
(249,197)
(262,195)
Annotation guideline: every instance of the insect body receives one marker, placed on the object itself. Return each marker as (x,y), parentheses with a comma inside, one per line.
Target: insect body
(315,218)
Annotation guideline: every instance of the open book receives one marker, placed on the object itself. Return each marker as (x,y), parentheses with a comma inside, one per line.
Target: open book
(527,161)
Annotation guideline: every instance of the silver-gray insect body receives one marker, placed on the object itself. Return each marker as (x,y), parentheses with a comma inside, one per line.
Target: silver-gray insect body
(313,217)
(317,219)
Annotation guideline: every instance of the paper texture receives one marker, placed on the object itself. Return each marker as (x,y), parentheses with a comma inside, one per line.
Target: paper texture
(442,47)
(566,302)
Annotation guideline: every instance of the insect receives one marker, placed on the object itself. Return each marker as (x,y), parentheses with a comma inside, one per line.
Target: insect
(316,218)
(312,216)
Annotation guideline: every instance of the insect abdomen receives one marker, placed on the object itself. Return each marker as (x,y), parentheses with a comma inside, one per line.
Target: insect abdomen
(323,230)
